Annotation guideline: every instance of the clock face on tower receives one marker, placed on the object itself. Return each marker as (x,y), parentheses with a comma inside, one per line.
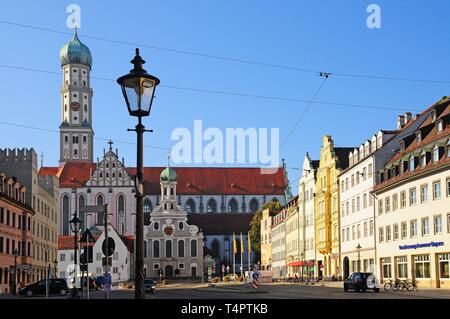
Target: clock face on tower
(74,106)
(168,231)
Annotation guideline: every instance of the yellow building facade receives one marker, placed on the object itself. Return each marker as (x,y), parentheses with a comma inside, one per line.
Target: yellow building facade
(266,240)
(332,161)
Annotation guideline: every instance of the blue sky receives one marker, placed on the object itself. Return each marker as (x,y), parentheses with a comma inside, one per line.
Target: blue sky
(331,36)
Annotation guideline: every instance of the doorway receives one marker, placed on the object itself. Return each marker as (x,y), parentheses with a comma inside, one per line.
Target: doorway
(346,268)
(168,271)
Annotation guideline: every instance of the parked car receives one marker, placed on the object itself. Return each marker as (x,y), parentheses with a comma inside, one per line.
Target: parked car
(55,286)
(362,281)
(149,285)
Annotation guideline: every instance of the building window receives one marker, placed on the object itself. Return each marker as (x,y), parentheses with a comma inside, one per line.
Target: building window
(423,193)
(402,267)
(423,159)
(116,254)
(437,190)
(180,225)
(156,249)
(404,230)
(411,163)
(444,266)
(353,232)
(156,225)
(62,257)
(181,248)
(380,206)
(413,230)
(388,204)
(211,206)
(440,126)
(364,201)
(436,154)
(448,223)
(394,202)
(353,180)
(181,265)
(425,226)
(395,231)
(386,262)
(437,224)
(371,228)
(194,248)
(369,170)
(412,196)
(422,266)
(403,199)
(358,230)
(155,266)
(365,229)
(168,248)
(448,186)
(98,256)
(381,234)
(388,233)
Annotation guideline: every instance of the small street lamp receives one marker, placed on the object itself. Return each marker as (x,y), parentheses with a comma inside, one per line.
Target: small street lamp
(302,256)
(138,89)
(55,264)
(358,249)
(15,252)
(75,224)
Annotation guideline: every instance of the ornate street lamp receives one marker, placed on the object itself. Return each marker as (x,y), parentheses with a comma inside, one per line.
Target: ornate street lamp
(75,224)
(55,263)
(138,89)
(358,249)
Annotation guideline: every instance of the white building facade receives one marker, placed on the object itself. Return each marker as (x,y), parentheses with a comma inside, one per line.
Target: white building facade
(413,201)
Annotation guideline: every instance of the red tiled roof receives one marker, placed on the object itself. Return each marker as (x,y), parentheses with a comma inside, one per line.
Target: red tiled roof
(65,242)
(191,180)
(46,171)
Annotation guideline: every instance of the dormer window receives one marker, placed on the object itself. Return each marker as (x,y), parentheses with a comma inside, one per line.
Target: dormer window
(436,154)
(448,148)
(433,116)
(402,145)
(411,163)
(423,159)
(419,136)
(440,126)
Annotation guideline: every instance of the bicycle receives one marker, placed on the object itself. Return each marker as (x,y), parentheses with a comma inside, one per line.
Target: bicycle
(392,285)
(411,286)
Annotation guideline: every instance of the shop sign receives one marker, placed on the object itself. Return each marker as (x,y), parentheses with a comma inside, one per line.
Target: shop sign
(425,245)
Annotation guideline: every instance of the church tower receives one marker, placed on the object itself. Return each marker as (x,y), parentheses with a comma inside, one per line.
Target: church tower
(76,133)
(168,179)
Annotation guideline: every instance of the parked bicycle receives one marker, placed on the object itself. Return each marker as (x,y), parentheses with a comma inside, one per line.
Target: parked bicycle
(403,285)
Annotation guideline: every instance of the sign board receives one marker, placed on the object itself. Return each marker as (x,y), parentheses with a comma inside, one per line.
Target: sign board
(265,276)
(92,209)
(111,247)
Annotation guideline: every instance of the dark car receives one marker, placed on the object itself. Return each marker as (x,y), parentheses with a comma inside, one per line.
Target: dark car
(361,281)
(56,286)
(149,285)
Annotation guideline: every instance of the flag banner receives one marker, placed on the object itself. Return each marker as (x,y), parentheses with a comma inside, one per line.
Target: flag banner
(249,242)
(242,245)
(234,245)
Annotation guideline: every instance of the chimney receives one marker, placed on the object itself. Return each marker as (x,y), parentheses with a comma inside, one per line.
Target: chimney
(408,117)
(400,121)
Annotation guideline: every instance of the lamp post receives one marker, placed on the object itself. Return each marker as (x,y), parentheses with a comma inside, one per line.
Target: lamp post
(358,249)
(303,263)
(75,223)
(138,88)
(55,264)
(15,252)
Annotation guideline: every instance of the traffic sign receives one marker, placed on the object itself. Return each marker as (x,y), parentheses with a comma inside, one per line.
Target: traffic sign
(87,237)
(111,247)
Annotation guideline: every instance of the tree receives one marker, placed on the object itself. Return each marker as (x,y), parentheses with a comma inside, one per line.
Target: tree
(255,227)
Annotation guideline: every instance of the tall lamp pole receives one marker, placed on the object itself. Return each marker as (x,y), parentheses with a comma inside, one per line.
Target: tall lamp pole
(15,271)
(358,249)
(138,89)
(55,264)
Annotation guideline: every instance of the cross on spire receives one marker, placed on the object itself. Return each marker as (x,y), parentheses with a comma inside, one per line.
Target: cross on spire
(168,159)
(110,144)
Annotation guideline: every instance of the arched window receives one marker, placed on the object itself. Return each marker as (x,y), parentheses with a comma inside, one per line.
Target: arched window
(156,249)
(254,205)
(233,206)
(168,248)
(66,214)
(190,206)
(211,206)
(81,203)
(181,248)
(194,248)
(275,200)
(215,248)
(101,216)
(180,225)
(121,213)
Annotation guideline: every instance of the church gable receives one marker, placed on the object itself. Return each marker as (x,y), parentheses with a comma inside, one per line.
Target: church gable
(110,171)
